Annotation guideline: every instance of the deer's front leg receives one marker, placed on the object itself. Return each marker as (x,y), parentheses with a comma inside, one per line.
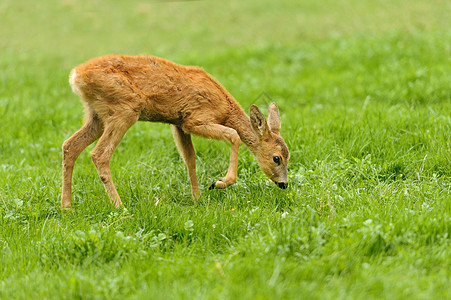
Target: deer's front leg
(230,177)
(220,132)
(186,150)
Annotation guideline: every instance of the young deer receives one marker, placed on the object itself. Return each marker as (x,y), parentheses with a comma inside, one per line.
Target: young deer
(118,91)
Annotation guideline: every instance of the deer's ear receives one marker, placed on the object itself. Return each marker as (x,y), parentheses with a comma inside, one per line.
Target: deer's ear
(274,118)
(258,122)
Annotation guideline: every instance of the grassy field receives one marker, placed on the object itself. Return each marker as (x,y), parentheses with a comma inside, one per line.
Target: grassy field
(364,90)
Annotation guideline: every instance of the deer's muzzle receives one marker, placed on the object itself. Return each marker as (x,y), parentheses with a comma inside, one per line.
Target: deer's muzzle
(282,185)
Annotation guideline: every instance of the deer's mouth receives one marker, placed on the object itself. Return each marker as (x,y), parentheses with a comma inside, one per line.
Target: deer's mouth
(282,185)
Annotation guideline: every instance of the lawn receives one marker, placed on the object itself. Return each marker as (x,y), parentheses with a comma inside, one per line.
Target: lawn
(364,92)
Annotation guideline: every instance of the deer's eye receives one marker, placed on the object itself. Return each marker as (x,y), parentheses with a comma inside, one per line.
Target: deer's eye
(276,159)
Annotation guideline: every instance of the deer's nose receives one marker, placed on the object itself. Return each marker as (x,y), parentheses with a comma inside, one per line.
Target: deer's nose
(282,185)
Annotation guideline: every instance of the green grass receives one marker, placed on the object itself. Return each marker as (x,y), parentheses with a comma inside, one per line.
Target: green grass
(364,93)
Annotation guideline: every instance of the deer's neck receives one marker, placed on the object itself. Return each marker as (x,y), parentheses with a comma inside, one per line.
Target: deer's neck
(241,122)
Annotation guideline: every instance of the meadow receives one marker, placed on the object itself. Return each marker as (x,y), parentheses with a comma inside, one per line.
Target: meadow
(363,88)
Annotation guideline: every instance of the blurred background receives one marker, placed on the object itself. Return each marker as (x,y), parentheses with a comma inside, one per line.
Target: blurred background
(79,29)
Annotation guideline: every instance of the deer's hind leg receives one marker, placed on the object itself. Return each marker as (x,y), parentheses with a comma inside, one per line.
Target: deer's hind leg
(72,147)
(115,128)
(186,150)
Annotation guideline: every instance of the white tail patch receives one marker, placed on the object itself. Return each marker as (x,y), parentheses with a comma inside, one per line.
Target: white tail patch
(72,76)
(72,80)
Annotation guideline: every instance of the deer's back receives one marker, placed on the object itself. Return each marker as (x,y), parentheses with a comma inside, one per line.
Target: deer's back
(158,89)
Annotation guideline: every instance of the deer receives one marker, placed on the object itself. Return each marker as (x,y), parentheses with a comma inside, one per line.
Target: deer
(119,90)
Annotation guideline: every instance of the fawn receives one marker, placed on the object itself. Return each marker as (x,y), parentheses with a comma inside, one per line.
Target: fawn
(118,90)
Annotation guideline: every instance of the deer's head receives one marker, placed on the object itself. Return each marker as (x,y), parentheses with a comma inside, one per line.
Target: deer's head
(272,152)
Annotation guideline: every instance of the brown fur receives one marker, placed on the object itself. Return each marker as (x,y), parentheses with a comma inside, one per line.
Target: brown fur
(120,90)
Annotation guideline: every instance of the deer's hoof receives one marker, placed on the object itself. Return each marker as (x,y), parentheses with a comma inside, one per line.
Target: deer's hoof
(212,186)
(217,185)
